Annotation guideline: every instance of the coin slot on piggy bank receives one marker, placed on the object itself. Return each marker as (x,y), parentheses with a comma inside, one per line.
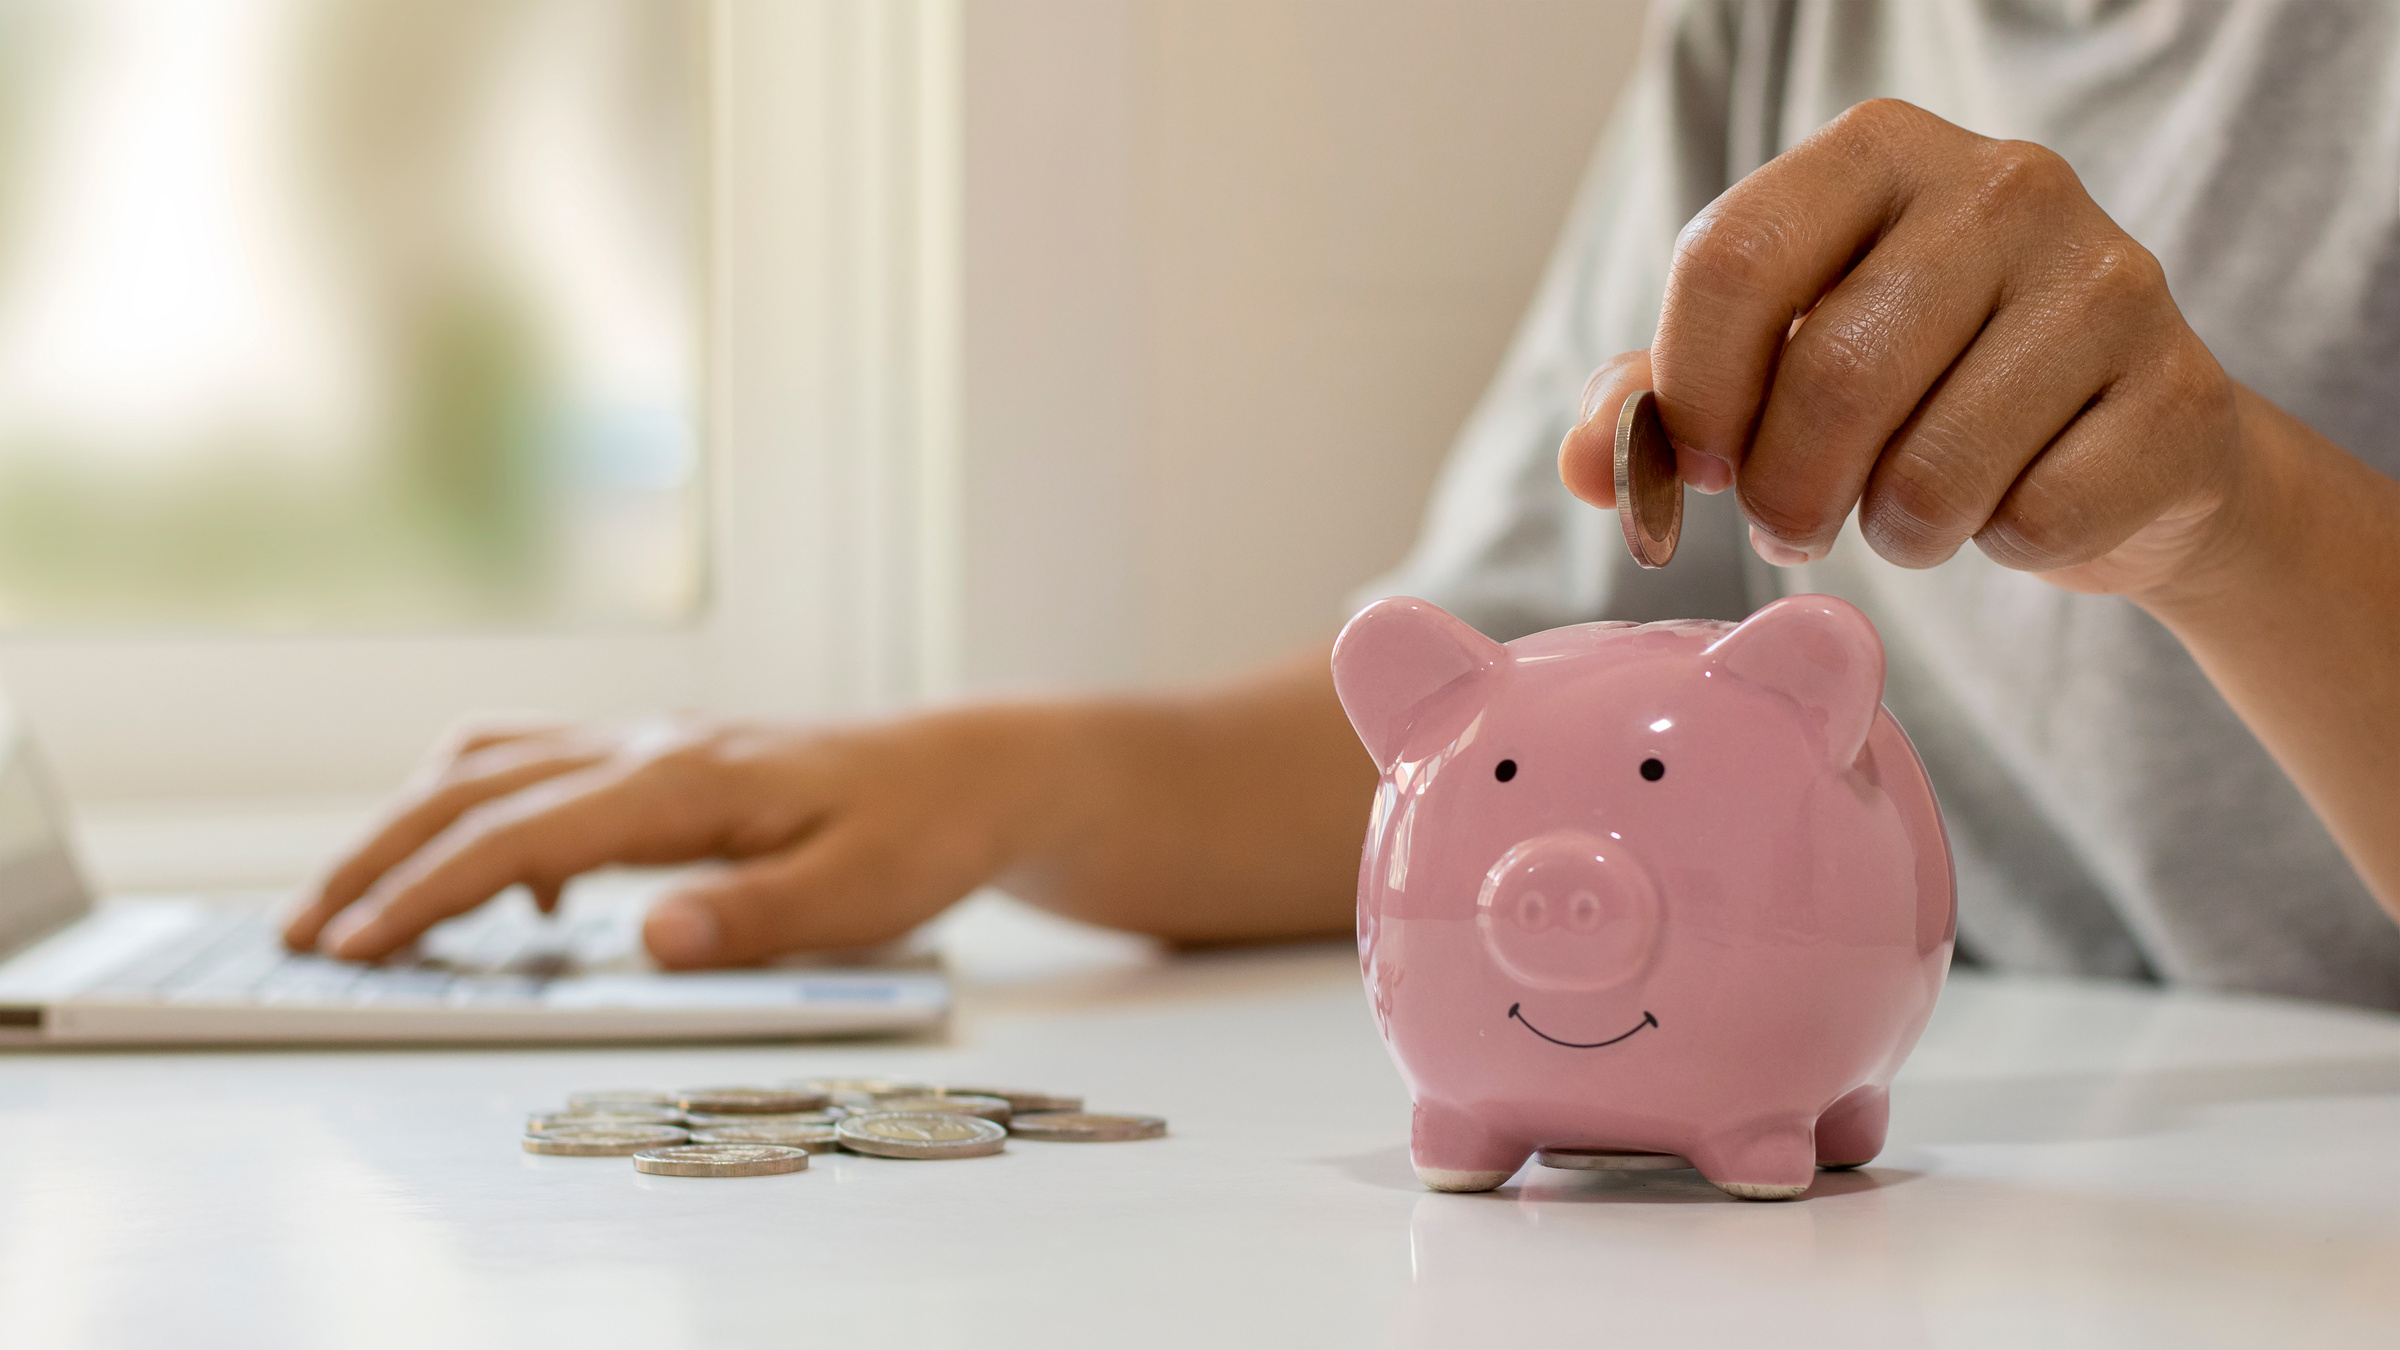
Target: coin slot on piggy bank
(1572,948)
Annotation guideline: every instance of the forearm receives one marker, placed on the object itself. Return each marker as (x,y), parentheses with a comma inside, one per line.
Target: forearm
(1231,815)
(2297,622)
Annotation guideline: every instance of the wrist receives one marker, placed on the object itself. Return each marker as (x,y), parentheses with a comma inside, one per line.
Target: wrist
(2257,525)
(1025,762)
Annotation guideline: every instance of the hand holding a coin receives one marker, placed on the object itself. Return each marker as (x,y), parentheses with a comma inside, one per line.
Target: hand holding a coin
(1944,333)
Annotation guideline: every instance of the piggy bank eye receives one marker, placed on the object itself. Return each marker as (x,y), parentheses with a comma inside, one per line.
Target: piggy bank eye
(1653,770)
(1506,770)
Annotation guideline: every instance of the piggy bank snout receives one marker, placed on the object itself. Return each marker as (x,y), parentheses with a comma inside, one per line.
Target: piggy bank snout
(1569,911)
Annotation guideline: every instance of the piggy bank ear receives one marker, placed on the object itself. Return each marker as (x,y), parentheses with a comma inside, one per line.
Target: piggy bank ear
(1823,655)
(1398,660)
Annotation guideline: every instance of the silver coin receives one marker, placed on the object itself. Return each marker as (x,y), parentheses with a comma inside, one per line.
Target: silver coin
(990,1108)
(814,1138)
(1078,1127)
(714,1120)
(921,1134)
(602,1141)
(609,1098)
(720,1160)
(752,1101)
(1649,495)
(1021,1099)
(1610,1160)
(627,1115)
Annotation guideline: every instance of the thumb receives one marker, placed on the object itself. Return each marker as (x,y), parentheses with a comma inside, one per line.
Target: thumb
(833,889)
(1587,458)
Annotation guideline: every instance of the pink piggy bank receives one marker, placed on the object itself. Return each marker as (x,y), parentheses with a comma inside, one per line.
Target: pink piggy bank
(1641,894)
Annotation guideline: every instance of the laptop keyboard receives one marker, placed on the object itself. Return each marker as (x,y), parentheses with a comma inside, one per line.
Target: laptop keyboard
(240,958)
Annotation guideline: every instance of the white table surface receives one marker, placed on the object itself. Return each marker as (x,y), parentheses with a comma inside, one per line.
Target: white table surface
(2071,1165)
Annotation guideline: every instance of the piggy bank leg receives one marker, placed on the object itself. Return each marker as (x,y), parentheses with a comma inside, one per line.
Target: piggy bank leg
(1850,1133)
(1454,1152)
(1763,1161)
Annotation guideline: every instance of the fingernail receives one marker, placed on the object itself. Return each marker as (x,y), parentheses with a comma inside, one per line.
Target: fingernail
(1590,402)
(683,932)
(1709,473)
(337,937)
(1775,550)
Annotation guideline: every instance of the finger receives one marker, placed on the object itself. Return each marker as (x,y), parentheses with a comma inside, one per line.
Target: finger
(1943,473)
(842,887)
(483,732)
(538,836)
(1853,375)
(487,774)
(1761,255)
(2102,481)
(1587,457)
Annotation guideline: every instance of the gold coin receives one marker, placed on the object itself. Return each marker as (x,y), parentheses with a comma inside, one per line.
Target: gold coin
(922,1134)
(601,1141)
(705,1120)
(955,1103)
(751,1101)
(814,1138)
(631,1115)
(1082,1127)
(720,1160)
(1649,495)
(1021,1099)
(866,1087)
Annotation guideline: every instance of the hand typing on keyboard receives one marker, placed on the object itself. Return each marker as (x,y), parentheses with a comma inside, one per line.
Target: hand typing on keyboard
(1228,814)
(838,838)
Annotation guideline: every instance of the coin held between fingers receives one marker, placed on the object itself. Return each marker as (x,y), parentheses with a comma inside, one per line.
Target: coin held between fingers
(1649,495)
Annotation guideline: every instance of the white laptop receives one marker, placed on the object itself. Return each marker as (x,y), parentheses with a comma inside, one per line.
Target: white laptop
(161,971)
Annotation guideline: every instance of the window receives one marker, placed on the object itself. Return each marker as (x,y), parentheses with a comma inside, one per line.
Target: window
(367,361)
(349,314)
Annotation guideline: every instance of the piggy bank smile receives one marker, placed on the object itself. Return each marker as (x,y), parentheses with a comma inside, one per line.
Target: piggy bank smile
(1587,825)
(1517,1011)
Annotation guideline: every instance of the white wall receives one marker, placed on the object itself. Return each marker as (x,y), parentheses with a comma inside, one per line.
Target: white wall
(1236,270)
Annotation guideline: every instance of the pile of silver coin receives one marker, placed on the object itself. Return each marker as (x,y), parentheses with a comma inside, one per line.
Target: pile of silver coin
(769,1130)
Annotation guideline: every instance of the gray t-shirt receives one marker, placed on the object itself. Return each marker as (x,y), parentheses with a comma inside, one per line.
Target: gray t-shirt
(2111,815)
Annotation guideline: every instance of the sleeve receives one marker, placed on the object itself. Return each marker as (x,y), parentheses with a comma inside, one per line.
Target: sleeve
(1504,546)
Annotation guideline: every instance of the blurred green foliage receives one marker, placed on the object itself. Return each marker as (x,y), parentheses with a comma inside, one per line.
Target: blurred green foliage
(464,505)
(452,526)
